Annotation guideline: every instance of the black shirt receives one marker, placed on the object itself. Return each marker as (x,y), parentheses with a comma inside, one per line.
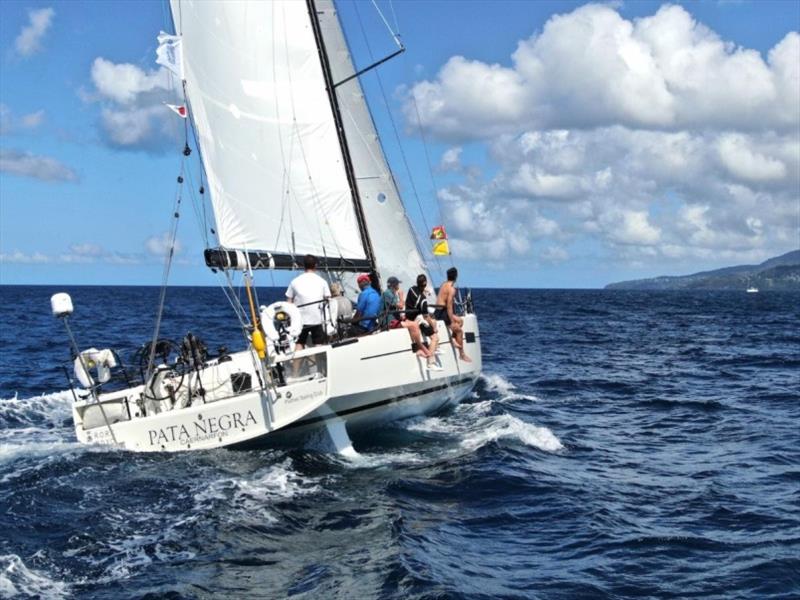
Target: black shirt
(416,303)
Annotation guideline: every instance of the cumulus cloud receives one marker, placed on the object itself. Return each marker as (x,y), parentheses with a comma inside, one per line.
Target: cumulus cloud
(44,168)
(653,137)
(133,114)
(593,68)
(29,40)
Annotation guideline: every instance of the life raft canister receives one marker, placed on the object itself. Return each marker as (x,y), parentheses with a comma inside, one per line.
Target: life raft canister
(100,360)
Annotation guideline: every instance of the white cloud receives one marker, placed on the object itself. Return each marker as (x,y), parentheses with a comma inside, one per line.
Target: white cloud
(746,163)
(124,82)
(26,164)
(9,123)
(87,249)
(32,120)
(83,253)
(21,258)
(158,245)
(29,40)
(631,227)
(133,113)
(650,139)
(554,254)
(593,68)
(451,159)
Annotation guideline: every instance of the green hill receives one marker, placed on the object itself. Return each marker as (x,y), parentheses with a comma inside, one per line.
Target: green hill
(778,273)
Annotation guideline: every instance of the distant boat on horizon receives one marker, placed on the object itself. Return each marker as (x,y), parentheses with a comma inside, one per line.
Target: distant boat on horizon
(752,290)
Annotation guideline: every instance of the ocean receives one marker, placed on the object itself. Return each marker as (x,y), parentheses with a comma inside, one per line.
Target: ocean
(620,444)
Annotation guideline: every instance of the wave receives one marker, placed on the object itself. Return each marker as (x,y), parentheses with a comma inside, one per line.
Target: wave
(48,410)
(496,383)
(159,535)
(250,497)
(475,427)
(16,579)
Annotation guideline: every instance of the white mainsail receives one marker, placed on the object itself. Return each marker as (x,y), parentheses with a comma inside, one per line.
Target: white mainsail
(393,241)
(267,133)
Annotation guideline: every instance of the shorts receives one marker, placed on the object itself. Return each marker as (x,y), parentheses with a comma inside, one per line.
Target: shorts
(424,326)
(315,331)
(441,315)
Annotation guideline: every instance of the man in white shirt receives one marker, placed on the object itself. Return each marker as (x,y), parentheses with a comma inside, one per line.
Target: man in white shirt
(309,292)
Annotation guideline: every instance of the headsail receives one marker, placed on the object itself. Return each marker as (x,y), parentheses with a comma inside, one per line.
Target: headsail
(267,133)
(393,241)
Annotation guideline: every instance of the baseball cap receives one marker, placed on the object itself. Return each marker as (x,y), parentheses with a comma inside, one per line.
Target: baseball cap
(392,281)
(362,277)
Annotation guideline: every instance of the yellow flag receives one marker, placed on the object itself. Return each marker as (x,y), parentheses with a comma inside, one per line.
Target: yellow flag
(440,248)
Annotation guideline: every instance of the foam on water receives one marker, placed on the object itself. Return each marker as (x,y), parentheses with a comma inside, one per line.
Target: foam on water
(251,496)
(373,460)
(48,410)
(475,427)
(496,383)
(16,579)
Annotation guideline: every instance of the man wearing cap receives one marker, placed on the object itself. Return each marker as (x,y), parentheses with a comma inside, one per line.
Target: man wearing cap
(309,291)
(390,301)
(369,304)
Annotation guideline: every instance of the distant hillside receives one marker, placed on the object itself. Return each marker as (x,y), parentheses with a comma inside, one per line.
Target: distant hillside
(779,273)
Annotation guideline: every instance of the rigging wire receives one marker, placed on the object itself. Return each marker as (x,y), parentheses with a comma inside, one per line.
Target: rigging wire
(399,143)
(167,266)
(395,36)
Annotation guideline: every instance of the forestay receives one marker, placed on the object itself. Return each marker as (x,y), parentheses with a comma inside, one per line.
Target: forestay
(266,128)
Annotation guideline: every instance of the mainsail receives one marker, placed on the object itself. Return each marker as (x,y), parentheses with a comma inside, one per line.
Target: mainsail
(276,167)
(266,129)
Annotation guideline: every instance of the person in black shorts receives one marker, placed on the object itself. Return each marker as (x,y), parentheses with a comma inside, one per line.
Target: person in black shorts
(446,302)
(417,310)
(315,332)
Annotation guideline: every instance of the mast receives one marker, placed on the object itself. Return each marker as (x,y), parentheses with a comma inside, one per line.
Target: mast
(337,117)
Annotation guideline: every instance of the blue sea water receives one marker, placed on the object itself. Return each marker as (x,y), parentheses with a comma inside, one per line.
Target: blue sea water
(619,445)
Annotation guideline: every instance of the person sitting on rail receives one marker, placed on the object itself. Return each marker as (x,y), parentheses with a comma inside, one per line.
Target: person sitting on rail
(368,305)
(445,301)
(417,311)
(393,317)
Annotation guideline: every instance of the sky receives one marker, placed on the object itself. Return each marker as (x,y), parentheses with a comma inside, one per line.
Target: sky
(562,144)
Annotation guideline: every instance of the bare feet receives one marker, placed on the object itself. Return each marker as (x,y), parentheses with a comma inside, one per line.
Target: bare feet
(465,358)
(423,353)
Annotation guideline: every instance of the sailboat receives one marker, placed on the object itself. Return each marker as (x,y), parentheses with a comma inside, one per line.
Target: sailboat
(294,166)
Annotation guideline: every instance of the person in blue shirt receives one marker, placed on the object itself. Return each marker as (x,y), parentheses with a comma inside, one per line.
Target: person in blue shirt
(369,304)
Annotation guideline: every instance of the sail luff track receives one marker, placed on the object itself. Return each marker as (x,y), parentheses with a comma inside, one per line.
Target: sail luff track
(337,115)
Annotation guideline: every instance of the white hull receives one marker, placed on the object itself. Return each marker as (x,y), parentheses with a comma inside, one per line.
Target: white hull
(361,382)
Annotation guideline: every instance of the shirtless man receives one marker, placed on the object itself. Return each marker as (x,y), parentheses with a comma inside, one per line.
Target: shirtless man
(446,299)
